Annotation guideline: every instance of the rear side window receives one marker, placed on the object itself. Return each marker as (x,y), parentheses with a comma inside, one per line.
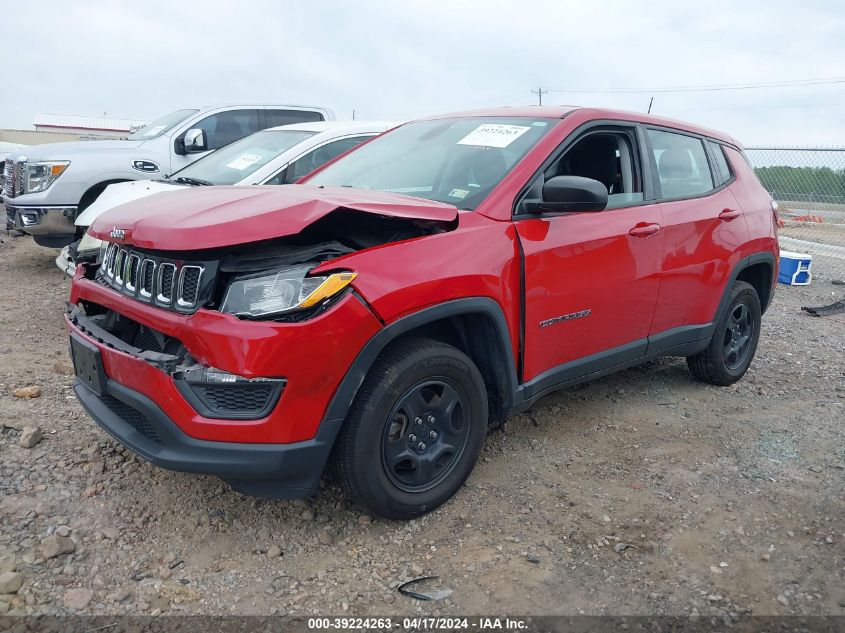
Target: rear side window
(227,127)
(723,170)
(682,165)
(286,117)
(315,158)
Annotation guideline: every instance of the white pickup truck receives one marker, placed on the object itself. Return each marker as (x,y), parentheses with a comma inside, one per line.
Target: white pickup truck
(45,187)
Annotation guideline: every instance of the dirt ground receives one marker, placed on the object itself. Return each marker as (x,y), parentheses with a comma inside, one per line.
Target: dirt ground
(642,493)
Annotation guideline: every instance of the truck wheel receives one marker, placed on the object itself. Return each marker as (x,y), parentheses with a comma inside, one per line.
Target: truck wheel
(414,431)
(734,342)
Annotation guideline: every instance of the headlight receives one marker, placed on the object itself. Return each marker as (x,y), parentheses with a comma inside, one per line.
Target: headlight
(91,243)
(104,247)
(39,176)
(283,291)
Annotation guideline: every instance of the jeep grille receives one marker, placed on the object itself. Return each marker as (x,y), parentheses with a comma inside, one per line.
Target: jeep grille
(168,283)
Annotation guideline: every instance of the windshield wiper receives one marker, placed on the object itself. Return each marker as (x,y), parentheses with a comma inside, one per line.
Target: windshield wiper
(196,182)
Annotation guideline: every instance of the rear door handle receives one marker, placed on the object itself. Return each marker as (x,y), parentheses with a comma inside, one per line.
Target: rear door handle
(644,230)
(728,214)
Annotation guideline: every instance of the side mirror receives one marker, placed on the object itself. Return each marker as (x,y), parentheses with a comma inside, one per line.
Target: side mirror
(195,141)
(572,193)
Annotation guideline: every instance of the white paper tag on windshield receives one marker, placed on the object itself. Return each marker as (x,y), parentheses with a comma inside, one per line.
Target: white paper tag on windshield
(243,161)
(494,135)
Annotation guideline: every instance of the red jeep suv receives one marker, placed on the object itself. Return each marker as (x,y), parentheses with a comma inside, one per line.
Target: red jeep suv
(408,296)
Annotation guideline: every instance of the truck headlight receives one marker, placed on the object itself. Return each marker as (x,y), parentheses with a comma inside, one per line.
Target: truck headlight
(39,176)
(267,294)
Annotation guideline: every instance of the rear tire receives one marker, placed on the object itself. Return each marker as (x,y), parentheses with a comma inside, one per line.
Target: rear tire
(734,341)
(415,430)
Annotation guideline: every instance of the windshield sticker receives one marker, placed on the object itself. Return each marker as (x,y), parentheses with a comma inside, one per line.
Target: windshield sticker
(494,135)
(154,130)
(458,193)
(243,161)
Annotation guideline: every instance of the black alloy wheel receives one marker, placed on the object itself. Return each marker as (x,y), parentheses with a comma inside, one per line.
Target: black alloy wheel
(425,435)
(734,342)
(414,431)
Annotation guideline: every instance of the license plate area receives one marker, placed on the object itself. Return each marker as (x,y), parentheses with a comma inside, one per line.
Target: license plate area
(88,365)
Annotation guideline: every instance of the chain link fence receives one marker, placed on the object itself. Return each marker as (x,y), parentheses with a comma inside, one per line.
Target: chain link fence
(809,186)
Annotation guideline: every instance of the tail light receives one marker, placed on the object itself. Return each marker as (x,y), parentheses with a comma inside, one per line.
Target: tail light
(778,222)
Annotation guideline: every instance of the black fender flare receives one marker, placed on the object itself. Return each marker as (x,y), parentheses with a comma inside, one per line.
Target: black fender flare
(756,258)
(345,394)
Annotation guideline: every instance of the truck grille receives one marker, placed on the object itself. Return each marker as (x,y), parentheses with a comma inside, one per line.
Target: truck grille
(178,285)
(12,180)
(7,176)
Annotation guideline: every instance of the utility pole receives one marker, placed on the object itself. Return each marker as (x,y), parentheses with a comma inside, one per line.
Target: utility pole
(540,92)
(353,115)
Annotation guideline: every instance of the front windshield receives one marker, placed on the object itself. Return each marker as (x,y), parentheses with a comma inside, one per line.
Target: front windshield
(458,160)
(238,160)
(162,125)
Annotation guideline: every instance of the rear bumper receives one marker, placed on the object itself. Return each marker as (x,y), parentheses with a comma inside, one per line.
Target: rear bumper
(281,471)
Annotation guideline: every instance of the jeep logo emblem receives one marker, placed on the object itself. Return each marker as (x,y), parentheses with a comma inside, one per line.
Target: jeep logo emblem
(117,234)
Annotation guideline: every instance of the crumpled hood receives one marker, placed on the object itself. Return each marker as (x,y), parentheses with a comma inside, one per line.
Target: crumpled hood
(121,193)
(210,217)
(67,151)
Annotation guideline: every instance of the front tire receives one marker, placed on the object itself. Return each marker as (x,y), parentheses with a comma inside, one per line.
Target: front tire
(415,430)
(734,341)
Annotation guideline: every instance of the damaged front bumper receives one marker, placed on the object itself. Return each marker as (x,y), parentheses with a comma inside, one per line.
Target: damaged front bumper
(281,471)
(144,399)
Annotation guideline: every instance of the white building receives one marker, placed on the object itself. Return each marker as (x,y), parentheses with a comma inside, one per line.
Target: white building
(87,125)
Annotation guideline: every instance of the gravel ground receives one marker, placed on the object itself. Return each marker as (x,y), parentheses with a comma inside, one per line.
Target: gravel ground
(641,493)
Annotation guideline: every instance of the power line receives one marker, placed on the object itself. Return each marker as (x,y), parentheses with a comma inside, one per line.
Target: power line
(496,101)
(763,106)
(713,88)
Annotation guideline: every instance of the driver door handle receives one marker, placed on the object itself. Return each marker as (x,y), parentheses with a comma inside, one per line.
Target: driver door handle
(644,230)
(728,214)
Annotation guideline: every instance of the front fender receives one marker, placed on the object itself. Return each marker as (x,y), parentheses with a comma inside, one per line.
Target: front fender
(354,378)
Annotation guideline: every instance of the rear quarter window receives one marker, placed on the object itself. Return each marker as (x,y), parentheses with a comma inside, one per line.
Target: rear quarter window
(723,170)
(287,117)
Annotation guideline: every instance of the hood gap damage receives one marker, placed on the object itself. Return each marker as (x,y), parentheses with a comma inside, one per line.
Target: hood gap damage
(339,233)
(207,218)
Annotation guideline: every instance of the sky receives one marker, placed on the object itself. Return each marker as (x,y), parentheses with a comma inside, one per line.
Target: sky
(388,59)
